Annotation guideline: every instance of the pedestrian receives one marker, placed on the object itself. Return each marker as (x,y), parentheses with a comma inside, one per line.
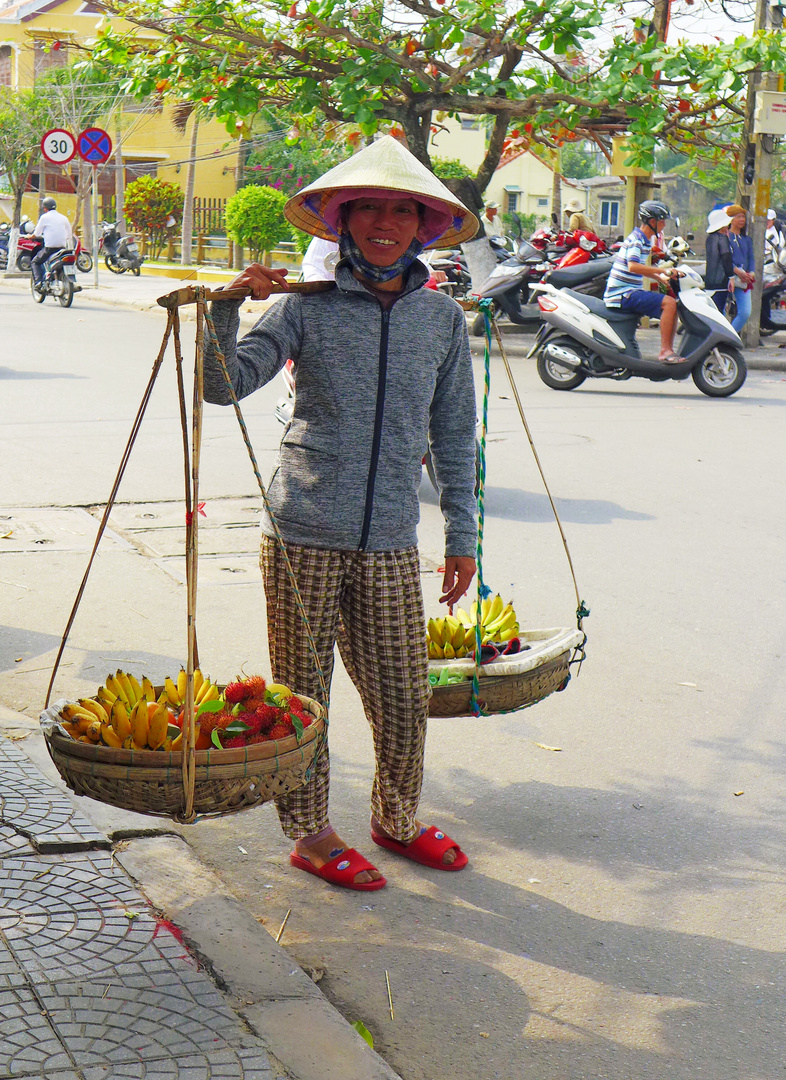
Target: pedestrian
(743,262)
(383,372)
(774,239)
(491,219)
(624,289)
(55,230)
(720,264)
(577,217)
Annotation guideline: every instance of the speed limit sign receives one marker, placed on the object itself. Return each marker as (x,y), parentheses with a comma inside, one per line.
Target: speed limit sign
(58,146)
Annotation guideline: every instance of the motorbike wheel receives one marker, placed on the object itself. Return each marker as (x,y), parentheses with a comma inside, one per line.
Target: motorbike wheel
(84,261)
(39,297)
(721,378)
(65,293)
(112,265)
(24,262)
(557,376)
(136,271)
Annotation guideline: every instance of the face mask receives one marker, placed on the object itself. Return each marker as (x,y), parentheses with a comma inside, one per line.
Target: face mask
(350,250)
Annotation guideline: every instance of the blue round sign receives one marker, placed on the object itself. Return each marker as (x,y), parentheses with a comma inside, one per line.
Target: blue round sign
(94,145)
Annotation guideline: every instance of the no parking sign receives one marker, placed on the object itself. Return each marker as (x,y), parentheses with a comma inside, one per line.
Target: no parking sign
(94,145)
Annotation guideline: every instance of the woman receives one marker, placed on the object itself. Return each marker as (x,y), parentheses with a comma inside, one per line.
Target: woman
(383,371)
(720,265)
(741,247)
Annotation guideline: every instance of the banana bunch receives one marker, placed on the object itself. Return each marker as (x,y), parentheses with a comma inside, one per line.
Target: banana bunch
(453,636)
(126,713)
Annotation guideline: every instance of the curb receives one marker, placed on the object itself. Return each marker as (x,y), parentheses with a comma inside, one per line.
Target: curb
(272,995)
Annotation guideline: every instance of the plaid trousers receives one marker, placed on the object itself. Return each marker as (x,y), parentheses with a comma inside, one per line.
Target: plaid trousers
(371,604)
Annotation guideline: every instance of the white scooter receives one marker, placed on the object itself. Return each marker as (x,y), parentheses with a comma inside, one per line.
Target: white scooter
(581,338)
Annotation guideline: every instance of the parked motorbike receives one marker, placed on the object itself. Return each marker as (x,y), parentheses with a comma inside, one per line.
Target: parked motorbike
(5,236)
(581,338)
(581,265)
(121,253)
(773,306)
(59,278)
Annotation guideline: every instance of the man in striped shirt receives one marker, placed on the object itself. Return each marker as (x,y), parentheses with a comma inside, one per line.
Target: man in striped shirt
(624,288)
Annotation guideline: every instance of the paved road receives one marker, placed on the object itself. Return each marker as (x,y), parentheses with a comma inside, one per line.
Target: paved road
(622,916)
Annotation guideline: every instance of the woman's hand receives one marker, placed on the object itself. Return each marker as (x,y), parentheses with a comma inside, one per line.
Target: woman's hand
(259,280)
(459,572)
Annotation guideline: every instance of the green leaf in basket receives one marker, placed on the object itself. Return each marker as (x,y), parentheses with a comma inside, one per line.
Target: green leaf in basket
(215,739)
(211,706)
(237,727)
(297,724)
(364,1033)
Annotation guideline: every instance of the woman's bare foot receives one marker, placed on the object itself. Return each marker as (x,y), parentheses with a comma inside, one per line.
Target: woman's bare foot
(319,852)
(448,858)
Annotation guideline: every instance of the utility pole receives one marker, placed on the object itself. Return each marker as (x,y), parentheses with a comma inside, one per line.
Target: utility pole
(754,168)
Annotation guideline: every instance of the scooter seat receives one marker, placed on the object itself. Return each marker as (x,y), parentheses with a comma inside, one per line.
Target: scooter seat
(580,274)
(597,306)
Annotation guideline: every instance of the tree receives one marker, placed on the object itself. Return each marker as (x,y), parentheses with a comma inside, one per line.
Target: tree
(23,120)
(150,204)
(538,68)
(255,219)
(287,159)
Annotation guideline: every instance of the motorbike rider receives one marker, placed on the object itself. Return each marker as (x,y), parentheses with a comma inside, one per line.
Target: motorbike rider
(624,289)
(55,230)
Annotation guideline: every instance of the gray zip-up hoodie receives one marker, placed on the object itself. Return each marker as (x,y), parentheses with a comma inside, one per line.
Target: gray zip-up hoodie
(375,388)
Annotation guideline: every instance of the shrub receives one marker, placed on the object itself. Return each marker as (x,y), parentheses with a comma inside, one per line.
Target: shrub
(148,204)
(255,218)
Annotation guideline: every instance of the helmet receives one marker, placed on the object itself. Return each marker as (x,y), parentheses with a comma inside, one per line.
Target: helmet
(49,204)
(653,209)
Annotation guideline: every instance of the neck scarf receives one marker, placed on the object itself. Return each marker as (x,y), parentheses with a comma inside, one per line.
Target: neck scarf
(350,250)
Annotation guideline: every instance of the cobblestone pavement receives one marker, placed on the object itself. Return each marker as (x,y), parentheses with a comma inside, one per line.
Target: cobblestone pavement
(94,984)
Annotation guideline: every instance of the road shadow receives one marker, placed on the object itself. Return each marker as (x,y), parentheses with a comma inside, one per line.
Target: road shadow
(11,373)
(513,504)
(19,645)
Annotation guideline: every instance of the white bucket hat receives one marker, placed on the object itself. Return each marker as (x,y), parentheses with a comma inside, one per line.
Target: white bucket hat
(575,206)
(716,219)
(386,169)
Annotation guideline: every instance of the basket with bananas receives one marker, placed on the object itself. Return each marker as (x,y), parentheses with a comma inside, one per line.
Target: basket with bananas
(516,668)
(254,741)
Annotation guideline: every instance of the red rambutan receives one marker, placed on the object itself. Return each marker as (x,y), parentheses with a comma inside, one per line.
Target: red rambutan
(235,741)
(280,730)
(236,692)
(209,721)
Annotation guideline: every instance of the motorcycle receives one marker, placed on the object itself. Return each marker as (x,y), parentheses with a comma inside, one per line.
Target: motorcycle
(27,246)
(581,338)
(5,236)
(121,253)
(59,279)
(579,264)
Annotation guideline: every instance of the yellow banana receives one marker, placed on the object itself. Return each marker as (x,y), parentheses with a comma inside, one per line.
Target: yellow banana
(94,731)
(199,678)
(109,737)
(485,608)
(509,634)
(463,617)
(159,722)
(503,623)
(72,729)
(211,694)
(128,689)
(496,608)
(199,695)
(128,743)
(135,687)
(449,651)
(432,630)
(171,692)
(116,687)
(105,692)
(76,713)
(459,636)
(139,724)
(95,707)
(177,742)
(147,689)
(440,632)
(119,720)
(182,679)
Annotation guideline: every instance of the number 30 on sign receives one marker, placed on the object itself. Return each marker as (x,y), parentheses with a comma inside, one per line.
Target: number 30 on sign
(58,146)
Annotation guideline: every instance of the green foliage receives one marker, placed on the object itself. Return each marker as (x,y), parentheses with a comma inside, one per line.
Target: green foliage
(719,176)
(288,164)
(148,205)
(447,168)
(529,222)
(24,117)
(541,67)
(579,162)
(255,218)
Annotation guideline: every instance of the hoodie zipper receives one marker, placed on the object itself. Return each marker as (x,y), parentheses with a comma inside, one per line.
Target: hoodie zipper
(377,440)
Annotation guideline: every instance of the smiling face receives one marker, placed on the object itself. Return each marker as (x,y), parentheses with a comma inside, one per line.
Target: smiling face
(383,229)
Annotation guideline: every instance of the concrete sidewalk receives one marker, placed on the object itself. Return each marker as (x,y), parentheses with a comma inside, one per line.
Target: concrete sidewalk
(122,956)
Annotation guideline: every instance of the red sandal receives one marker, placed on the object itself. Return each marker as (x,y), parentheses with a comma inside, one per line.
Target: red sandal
(341,870)
(427,849)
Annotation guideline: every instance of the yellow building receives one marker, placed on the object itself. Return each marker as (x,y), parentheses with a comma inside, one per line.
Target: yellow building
(36,35)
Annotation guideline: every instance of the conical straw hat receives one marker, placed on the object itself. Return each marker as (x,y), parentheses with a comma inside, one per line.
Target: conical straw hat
(385,166)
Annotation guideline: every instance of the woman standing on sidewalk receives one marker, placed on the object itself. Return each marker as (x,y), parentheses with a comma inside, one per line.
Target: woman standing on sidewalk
(744,264)
(383,371)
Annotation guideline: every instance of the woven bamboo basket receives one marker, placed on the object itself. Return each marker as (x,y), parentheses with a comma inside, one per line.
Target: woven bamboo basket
(502,693)
(226,781)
